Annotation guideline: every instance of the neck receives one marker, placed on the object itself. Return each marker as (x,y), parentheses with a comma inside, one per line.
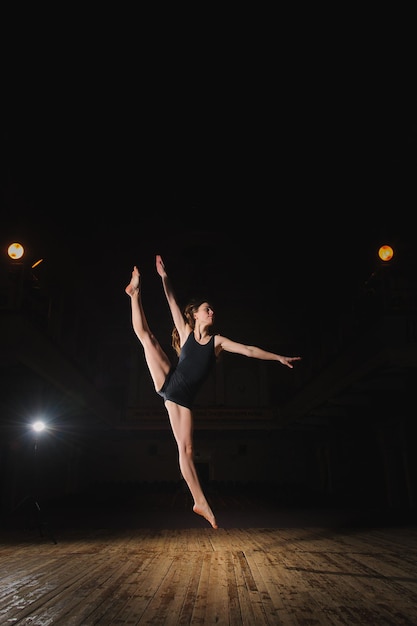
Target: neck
(200,332)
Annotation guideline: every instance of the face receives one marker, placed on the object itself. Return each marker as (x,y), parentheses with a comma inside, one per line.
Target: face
(205,314)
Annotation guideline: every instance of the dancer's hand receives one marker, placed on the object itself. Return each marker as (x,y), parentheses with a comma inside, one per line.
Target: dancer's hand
(288,360)
(160,267)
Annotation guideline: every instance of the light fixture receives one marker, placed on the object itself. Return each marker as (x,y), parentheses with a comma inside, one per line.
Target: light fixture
(15,251)
(38,426)
(385,253)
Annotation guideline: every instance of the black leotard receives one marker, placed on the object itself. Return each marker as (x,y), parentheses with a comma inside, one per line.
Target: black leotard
(193,367)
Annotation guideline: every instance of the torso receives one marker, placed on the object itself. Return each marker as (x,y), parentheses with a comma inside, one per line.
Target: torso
(194,365)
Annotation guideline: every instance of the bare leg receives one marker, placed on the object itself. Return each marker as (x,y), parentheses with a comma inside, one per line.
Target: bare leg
(156,359)
(180,418)
(182,425)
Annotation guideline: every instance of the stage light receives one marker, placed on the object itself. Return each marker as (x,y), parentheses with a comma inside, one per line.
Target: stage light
(34,511)
(15,251)
(38,426)
(385,253)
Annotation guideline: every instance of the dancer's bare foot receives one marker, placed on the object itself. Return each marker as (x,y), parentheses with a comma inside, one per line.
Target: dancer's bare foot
(133,286)
(207,513)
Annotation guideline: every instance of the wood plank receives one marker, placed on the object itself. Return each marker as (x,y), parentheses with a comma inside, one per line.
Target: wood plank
(294,599)
(199,612)
(330,586)
(186,613)
(243,576)
(103,600)
(251,600)
(147,584)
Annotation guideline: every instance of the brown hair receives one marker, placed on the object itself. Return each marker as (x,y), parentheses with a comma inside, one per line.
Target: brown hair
(190,309)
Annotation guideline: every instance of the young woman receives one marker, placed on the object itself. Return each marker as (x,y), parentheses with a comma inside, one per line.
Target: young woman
(197,349)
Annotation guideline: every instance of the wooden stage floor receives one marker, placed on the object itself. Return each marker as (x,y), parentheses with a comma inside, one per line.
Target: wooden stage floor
(288,567)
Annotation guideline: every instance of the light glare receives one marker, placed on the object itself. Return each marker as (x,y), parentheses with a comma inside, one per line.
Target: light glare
(385,253)
(38,426)
(15,251)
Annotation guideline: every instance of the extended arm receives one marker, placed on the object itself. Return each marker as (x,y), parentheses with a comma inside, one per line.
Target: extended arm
(177,316)
(222,343)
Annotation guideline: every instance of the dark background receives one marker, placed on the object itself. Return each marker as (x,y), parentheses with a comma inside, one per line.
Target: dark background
(306,202)
(265,164)
(293,153)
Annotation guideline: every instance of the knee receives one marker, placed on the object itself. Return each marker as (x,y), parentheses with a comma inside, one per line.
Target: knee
(186,448)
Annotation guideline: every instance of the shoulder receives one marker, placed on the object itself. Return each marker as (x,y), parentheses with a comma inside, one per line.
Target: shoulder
(219,342)
(223,343)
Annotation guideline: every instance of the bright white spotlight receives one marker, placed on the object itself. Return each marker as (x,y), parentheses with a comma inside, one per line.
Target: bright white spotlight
(38,426)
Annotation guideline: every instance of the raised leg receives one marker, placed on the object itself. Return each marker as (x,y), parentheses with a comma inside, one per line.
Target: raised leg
(158,363)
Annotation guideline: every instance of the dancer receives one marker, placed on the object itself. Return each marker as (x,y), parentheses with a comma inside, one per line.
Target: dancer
(197,348)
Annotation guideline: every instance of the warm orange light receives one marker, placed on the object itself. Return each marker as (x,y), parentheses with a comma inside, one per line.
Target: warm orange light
(15,251)
(385,253)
